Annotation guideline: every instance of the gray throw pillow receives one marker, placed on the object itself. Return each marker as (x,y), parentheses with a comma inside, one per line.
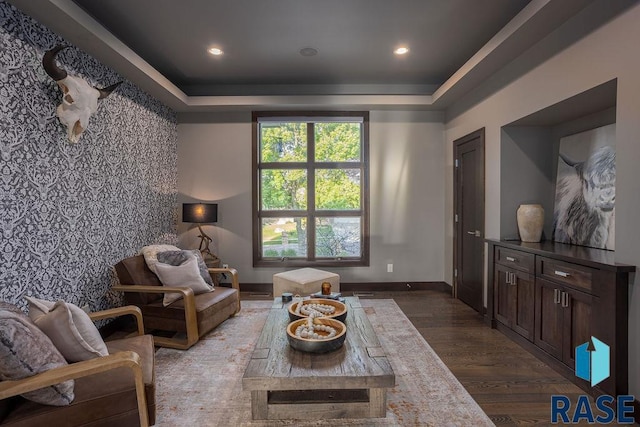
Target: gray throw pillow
(26,351)
(174,257)
(180,257)
(69,328)
(186,275)
(10,307)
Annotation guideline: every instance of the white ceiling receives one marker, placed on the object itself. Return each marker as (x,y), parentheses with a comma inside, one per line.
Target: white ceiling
(160,45)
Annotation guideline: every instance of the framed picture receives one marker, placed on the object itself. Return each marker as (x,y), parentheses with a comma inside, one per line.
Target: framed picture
(584,210)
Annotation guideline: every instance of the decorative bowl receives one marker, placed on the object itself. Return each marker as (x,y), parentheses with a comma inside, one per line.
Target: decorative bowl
(340,312)
(311,345)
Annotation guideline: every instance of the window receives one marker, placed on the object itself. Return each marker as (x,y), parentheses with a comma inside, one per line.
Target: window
(311,189)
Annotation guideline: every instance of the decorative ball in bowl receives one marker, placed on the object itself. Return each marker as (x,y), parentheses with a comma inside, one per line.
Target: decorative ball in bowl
(316,335)
(319,307)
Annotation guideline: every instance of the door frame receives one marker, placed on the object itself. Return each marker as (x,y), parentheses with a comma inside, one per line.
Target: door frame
(478,134)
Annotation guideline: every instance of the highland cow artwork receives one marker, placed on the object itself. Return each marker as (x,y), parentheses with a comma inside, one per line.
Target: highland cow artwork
(584,212)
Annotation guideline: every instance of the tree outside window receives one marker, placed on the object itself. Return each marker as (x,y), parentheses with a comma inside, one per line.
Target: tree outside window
(311,188)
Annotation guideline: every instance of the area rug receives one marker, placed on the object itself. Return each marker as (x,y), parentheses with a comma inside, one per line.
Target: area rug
(203,386)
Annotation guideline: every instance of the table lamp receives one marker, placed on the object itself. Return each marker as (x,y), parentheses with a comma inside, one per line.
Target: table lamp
(201,213)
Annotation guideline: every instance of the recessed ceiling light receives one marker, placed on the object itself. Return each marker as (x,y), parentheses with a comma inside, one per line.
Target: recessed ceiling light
(308,51)
(215,51)
(402,50)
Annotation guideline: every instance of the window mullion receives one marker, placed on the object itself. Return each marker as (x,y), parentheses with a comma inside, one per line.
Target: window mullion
(311,192)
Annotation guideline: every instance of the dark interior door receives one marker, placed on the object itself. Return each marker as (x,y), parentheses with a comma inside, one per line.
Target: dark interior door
(469,219)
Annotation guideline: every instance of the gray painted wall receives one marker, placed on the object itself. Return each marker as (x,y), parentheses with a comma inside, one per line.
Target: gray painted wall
(603,54)
(407,193)
(526,175)
(529,162)
(68,212)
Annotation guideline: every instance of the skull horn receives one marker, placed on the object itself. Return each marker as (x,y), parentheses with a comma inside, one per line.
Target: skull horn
(49,63)
(107,90)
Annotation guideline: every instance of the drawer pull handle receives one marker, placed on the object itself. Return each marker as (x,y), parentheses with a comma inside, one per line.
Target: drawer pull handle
(556,296)
(510,258)
(561,273)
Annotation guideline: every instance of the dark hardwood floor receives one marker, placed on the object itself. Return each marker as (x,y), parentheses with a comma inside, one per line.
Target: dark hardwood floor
(511,385)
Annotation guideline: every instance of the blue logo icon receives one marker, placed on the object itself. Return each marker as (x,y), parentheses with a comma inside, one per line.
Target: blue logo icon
(592,363)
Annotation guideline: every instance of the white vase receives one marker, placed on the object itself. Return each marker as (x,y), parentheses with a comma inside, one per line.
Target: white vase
(530,222)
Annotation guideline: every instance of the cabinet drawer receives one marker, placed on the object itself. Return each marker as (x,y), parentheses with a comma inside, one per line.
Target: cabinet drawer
(574,275)
(515,259)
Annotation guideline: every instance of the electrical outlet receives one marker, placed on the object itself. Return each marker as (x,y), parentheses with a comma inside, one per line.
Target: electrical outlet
(389,268)
(225,265)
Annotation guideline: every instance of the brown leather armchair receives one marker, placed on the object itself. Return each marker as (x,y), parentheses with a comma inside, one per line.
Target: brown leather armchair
(193,315)
(118,389)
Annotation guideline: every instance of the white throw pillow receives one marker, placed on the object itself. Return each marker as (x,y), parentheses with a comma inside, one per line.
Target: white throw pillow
(186,275)
(69,328)
(150,254)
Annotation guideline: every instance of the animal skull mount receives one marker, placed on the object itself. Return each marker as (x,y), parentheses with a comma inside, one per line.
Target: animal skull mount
(79,100)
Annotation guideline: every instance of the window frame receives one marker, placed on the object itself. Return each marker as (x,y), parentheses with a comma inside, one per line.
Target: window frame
(310,165)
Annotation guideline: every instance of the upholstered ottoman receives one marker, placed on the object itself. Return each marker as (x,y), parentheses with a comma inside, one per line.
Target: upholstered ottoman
(304,281)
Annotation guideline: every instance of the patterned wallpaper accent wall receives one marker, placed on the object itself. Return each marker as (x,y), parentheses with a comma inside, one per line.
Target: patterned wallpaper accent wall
(69,212)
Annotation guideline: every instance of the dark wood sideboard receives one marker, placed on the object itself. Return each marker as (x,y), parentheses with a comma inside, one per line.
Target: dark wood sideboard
(550,297)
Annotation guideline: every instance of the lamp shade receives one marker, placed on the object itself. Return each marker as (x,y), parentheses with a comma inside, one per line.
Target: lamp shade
(200,212)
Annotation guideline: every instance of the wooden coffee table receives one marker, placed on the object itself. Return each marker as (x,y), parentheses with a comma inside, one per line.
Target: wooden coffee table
(350,382)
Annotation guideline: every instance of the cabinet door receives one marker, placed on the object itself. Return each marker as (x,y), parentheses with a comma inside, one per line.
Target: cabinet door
(504,295)
(549,318)
(577,323)
(523,320)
